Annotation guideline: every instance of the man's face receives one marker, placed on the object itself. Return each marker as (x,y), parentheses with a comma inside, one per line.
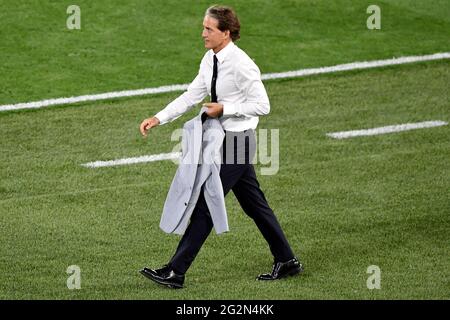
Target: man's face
(213,37)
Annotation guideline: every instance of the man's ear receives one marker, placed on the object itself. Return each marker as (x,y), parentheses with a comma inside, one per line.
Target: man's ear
(227,34)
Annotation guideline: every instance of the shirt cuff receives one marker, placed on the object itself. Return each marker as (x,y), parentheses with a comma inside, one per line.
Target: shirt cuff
(162,117)
(230,110)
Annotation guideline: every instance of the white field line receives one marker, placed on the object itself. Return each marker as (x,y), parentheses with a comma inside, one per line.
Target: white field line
(387,129)
(92,97)
(267,76)
(355,66)
(125,161)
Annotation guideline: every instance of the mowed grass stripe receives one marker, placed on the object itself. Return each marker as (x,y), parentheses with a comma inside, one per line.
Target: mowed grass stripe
(269,76)
(134,45)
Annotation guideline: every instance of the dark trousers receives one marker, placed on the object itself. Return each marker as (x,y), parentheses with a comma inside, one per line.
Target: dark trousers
(239,176)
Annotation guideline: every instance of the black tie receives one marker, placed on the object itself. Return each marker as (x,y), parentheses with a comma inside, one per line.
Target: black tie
(213,81)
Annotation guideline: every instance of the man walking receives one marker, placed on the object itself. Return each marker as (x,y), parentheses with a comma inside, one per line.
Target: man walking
(238,97)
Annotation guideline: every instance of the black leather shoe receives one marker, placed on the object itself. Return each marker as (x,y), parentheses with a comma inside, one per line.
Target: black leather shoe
(158,272)
(165,276)
(282,270)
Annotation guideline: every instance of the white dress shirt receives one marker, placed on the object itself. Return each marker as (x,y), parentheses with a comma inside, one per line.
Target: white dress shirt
(239,88)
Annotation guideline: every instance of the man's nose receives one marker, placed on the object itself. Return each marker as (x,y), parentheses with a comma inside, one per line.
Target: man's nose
(204,34)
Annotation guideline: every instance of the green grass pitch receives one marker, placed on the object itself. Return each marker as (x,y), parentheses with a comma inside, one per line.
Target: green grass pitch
(344,204)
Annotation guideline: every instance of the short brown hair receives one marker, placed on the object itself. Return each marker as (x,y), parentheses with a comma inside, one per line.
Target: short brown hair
(227,18)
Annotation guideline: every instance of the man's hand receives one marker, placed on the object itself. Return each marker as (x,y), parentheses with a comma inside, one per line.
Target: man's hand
(215,110)
(147,124)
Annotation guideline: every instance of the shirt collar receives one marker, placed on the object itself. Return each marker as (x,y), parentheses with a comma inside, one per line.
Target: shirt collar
(222,54)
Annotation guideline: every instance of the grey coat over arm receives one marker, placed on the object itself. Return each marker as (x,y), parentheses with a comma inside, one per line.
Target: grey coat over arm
(199,166)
